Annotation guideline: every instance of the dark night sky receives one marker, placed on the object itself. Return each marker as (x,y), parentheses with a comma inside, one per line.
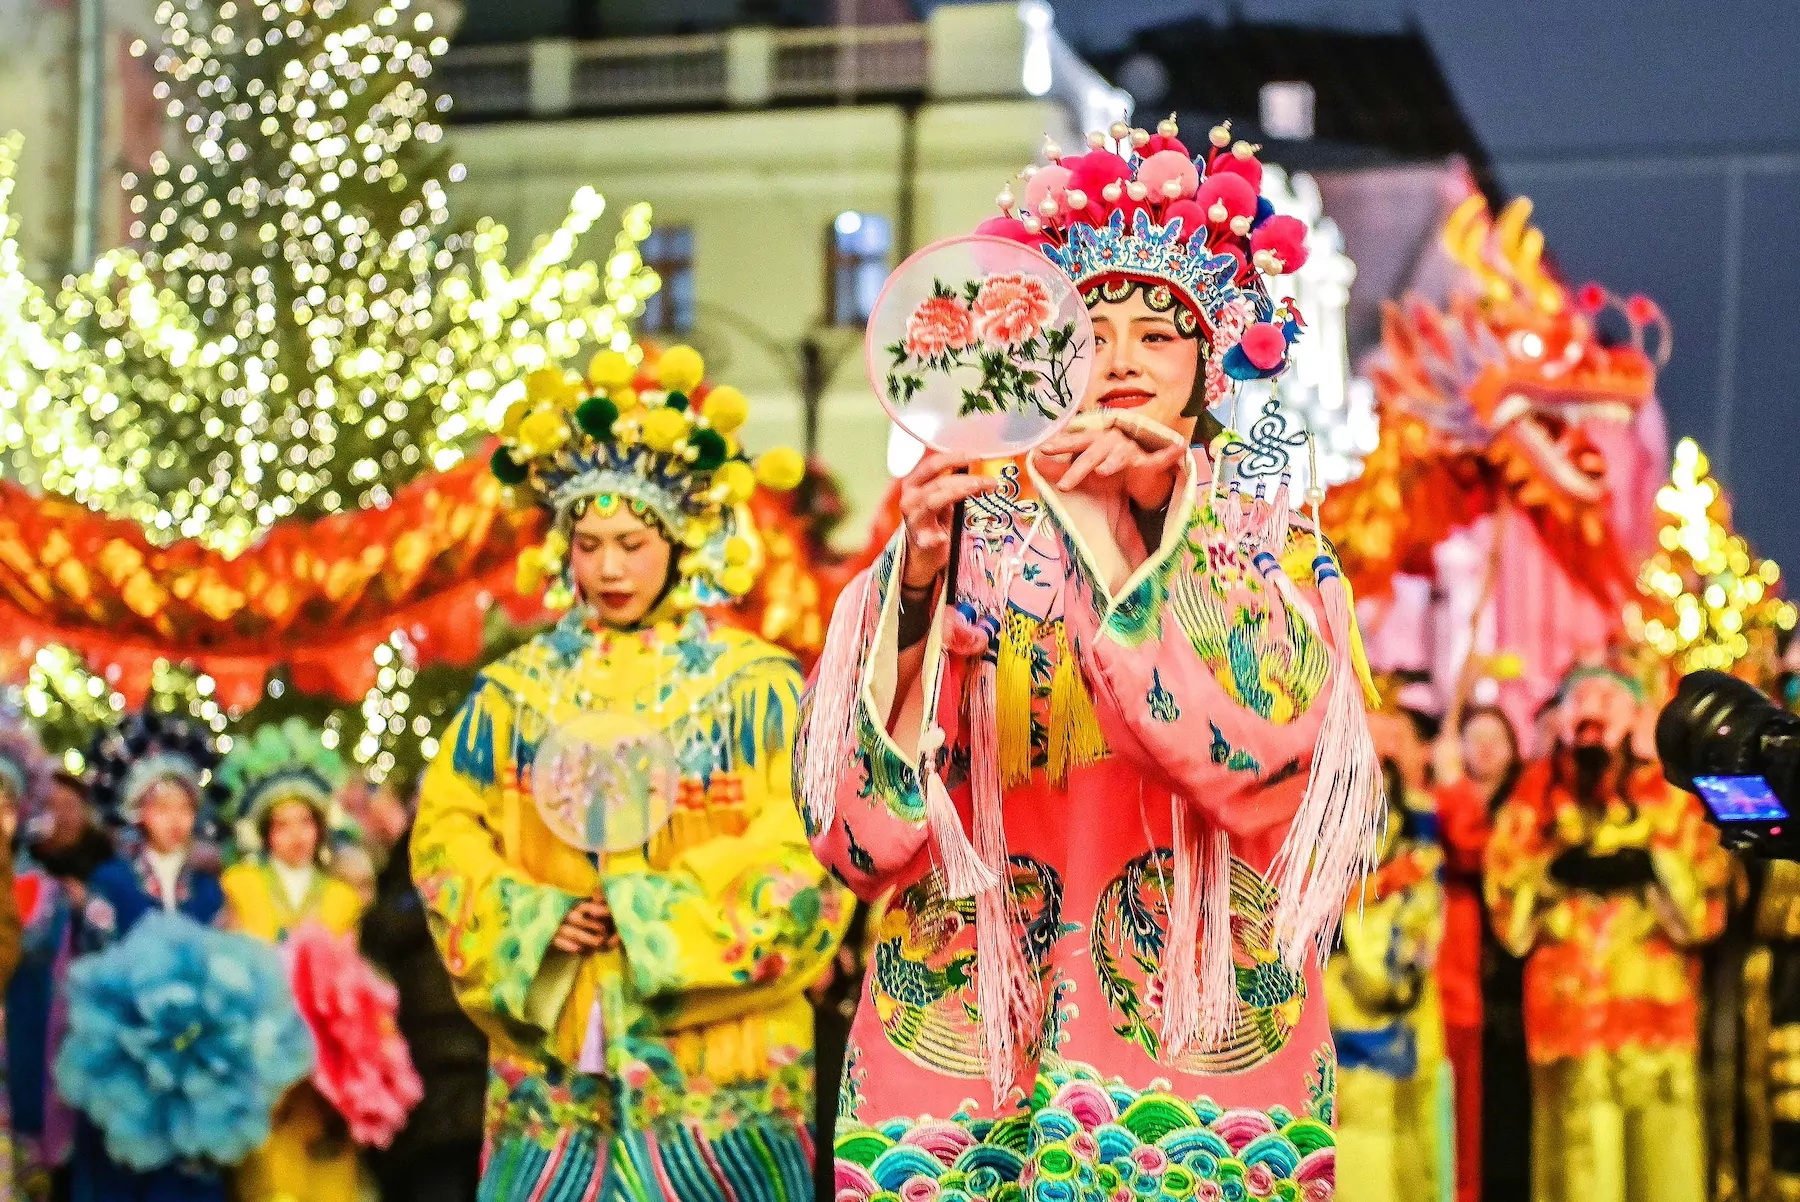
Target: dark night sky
(1654,137)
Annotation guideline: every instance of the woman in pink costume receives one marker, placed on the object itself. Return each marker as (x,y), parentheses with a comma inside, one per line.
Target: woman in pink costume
(1116,776)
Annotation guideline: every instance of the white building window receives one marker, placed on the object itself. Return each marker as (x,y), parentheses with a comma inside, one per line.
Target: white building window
(669,251)
(856,266)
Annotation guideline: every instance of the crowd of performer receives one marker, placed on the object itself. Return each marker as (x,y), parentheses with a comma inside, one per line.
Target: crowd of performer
(1157,891)
(269,837)
(1514,998)
(1525,971)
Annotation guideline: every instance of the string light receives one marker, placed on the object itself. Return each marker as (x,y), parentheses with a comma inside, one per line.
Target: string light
(65,702)
(299,327)
(385,705)
(70,705)
(1705,596)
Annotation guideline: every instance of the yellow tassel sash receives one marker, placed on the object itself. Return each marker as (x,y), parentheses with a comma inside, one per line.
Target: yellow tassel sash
(1013,694)
(1075,738)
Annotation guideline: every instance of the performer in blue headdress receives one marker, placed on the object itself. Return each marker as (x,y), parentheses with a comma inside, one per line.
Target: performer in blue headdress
(151,779)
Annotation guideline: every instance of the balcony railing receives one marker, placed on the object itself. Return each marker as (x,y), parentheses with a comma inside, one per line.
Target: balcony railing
(643,73)
(742,68)
(486,82)
(814,64)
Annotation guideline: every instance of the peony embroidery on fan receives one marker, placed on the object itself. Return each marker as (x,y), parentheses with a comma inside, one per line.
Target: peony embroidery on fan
(996,335)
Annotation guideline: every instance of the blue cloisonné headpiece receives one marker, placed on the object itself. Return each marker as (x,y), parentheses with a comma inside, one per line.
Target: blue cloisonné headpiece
(1156,254)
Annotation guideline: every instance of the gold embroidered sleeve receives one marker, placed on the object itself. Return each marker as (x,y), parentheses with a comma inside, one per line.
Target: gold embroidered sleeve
(492,923)
(742,915)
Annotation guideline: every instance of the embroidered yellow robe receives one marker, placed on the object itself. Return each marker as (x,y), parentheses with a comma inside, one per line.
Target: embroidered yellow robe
(724,919)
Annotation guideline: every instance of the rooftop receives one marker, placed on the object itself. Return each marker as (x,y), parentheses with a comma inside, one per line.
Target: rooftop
(1379,98)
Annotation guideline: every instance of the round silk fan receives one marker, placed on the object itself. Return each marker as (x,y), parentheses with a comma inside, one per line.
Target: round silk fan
(979,346)
(605,782)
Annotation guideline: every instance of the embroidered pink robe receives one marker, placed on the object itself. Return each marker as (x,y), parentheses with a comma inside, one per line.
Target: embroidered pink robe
(1197,699)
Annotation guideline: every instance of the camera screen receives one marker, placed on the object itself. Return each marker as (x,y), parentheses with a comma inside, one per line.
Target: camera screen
(1740,798)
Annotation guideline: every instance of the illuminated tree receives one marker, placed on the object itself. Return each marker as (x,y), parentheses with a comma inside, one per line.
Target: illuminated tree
(298,328)
(1706,600)
(394,730)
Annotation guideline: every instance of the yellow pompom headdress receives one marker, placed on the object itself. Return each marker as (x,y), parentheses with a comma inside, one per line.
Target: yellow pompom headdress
(659,441)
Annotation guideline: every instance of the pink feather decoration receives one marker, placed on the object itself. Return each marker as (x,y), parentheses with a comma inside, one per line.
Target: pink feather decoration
(363,1067)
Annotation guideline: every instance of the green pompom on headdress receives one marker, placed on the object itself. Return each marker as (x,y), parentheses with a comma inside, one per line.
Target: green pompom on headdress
(285,762)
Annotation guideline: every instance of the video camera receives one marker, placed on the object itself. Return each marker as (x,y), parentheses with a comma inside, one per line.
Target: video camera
(1725,741)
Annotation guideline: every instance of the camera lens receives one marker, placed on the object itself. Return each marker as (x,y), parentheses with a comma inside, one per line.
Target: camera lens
(1718,725)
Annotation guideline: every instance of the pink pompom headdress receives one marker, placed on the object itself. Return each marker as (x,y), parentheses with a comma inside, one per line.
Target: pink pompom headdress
(1137,208)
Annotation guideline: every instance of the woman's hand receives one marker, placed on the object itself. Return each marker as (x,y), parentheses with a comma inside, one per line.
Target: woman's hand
(588,928)
(1112,455)
(928,500)
(1446,757)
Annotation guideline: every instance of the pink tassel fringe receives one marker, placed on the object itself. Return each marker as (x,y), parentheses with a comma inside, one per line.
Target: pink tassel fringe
(1004,978)
(831,727)
(1290,593)
(1278,639)
(1275,532)
(1009,1009)
(1331,845)
(964,873)
(1199,984)
(1180,966)
(1218,977)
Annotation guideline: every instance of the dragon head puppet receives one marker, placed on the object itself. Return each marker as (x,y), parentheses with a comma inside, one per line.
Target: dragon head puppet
(1519,394)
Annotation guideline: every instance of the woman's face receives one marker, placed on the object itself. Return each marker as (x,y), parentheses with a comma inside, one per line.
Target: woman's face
(620,564)
(1141,362)
(166,812)
(1487,748)
(293,833)
(68,816)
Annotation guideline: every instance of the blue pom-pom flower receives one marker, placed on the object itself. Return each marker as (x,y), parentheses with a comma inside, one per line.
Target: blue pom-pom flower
(181,1041)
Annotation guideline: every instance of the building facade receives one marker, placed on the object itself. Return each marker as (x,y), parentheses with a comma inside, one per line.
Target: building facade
(788,171)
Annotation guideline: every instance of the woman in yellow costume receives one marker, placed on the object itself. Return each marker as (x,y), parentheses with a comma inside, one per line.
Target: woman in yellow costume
(1394,1112)
(639,973)
(280,783)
